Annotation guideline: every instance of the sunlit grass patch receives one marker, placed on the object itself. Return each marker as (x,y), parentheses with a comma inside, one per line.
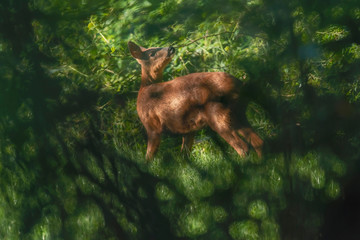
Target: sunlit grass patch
(270,230)
(208,157)
(192,184)
(258,209)
(86,222)
(219,214)
(48,228)
(195,219)
(163,192)
(332,33)
(261,122)
(244,230)
(333,189)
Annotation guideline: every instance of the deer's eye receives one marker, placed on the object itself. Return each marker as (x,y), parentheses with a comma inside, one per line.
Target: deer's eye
(152,54)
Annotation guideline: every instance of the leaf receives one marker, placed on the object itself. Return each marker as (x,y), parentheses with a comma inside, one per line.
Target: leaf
(90,26)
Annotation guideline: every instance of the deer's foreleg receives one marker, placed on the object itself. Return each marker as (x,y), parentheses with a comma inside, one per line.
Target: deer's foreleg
(153,145)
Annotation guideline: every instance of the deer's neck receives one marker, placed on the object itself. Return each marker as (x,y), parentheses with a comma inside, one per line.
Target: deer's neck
(150,77)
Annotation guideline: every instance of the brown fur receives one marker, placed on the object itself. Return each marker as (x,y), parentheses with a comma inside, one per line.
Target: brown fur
(189,103)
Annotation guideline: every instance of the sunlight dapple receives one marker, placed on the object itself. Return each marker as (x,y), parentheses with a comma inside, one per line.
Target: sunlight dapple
(189,103)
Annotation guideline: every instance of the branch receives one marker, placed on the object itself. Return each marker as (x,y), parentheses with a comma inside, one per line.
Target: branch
(226,32)
(206,36)
(103,37)
(75,70)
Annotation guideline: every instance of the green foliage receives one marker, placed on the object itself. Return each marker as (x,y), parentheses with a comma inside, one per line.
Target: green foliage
(72,148)
(244,230)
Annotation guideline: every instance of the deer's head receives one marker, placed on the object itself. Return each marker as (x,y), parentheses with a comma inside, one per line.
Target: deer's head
(152,61)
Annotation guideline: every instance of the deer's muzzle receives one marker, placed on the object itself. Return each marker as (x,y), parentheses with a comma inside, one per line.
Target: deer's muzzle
(171,51)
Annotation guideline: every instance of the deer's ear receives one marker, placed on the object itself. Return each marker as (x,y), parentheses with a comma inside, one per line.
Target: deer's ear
(135,50)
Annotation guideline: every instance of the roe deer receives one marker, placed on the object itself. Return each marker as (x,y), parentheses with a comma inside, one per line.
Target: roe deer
(188,103)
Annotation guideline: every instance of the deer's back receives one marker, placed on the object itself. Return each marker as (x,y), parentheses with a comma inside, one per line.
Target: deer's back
(183,99)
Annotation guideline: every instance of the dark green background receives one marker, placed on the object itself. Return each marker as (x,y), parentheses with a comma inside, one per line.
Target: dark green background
(72,150)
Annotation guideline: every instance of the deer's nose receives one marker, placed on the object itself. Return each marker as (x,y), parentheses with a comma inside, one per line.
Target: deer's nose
(171,51)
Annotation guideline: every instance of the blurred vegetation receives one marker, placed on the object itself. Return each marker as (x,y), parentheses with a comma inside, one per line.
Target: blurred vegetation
(72,149)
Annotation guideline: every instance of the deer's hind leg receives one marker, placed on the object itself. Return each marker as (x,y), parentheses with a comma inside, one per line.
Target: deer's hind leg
(252,138)
(243,128)
(218,118)
(187,142)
